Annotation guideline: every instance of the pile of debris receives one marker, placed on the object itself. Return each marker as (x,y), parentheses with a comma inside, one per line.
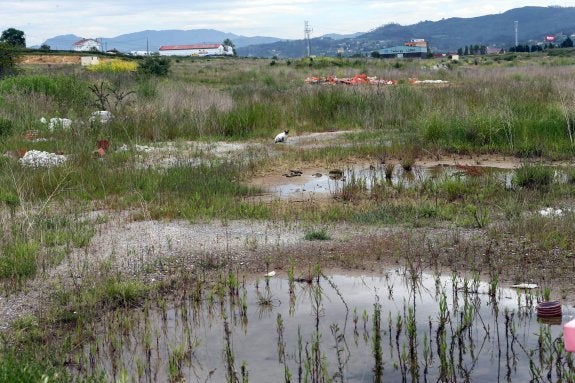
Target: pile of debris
(364,79)
(416,81)
(41,159)
(357,79)
(293,173)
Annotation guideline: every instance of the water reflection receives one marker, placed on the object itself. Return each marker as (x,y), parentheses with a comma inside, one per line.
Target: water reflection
(393,327)
(318,182)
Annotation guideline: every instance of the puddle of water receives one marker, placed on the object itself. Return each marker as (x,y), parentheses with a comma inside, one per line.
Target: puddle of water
(322,183)
(428,328)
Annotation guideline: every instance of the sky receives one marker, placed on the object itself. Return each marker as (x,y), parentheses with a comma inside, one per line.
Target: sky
(44,19)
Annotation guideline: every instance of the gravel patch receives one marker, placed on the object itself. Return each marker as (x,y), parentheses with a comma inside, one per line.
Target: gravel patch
(131,247)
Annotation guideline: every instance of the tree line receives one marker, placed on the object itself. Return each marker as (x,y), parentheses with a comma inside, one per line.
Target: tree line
(567,43)
(482,49)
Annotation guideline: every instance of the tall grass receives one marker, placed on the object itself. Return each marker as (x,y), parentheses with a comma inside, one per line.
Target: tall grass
(476,111)
(20,368)
(533,176)
(68,92)
(18,260)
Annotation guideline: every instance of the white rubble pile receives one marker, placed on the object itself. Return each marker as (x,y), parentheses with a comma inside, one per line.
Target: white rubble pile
(38,158)
(137,148)
(554,212)
(430,82)
(101,116)
(57,122)
(143,148)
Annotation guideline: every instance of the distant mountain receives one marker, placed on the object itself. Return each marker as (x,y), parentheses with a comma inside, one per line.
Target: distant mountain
(337,36)
(152,40)
(492,30)
(61,42)
(446,35)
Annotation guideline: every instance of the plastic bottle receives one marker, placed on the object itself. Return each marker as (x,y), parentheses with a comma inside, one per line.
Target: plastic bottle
(569,336)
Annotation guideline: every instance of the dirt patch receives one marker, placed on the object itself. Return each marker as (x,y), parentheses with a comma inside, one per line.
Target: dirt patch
(157,250)
(317,140)
(51,59)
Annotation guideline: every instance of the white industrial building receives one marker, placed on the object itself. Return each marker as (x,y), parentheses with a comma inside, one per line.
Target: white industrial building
(196,50)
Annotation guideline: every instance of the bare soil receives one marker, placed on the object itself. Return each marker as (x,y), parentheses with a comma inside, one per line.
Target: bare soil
(51,59)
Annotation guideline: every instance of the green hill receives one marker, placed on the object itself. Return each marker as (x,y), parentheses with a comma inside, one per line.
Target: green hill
(534,23)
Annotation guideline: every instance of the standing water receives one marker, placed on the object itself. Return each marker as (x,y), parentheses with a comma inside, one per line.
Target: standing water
(394,327)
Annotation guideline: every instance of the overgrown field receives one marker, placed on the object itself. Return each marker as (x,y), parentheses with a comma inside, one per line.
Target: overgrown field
(520,107)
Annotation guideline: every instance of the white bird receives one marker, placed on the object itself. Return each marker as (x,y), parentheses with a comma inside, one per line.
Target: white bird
(282,137)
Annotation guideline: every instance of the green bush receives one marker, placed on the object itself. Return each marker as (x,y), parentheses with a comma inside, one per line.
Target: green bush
(317,235)
(156,66)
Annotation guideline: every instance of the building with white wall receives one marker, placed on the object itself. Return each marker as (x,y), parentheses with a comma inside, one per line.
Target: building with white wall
(86,45)
(196,50)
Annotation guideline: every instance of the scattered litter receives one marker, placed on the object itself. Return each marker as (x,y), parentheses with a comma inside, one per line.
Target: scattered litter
(549,309)
(271,274)
(143,148)
(31,135)
(569,336)
(357,79)
(57,122)
(103,144)
(551,212)
(527,286)
(416,81)
(37,158)
(101,116)
(293,173)
(137,148)
(364,79)
(336,174)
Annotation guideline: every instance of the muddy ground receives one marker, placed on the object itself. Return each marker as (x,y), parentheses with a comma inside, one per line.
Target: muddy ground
(160,250)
